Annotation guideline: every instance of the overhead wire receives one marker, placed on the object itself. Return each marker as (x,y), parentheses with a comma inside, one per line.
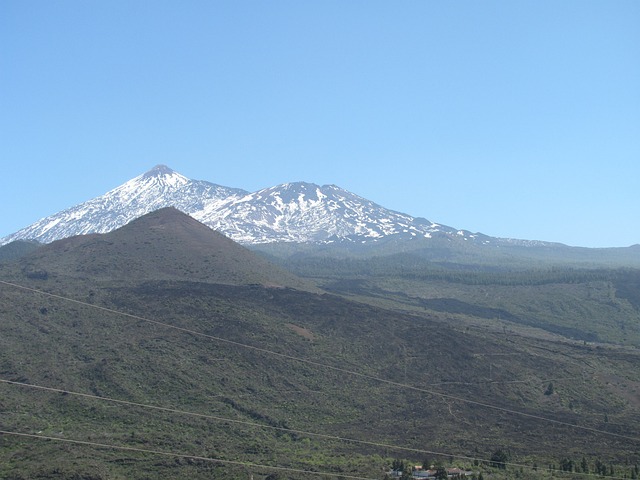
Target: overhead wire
(182,455)
(272,427)
(216,417)
(327,366)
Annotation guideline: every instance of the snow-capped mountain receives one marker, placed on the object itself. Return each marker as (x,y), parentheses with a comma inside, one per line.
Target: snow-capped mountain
(305,212)
(157,188)
(292,212)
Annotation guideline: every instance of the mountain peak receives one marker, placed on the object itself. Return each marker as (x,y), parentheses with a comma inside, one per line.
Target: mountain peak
(159,170)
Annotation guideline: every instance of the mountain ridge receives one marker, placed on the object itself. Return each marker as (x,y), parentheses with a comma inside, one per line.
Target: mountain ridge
(300,212)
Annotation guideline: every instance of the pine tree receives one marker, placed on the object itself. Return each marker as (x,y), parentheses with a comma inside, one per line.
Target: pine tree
(441,473)
(566,465)
(584,465)
(499,459)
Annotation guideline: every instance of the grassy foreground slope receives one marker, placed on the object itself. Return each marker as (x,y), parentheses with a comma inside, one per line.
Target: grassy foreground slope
(242,368)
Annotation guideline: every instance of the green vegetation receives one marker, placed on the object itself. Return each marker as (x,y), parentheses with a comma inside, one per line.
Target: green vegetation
(242,368)
(594,305)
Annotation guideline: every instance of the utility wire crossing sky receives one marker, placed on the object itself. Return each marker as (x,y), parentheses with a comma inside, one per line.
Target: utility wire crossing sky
(514,119)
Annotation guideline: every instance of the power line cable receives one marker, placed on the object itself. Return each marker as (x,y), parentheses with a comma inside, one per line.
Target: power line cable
(182,455)
(326,366)
(250,464)
(219,418)
(244,422)
(283,429)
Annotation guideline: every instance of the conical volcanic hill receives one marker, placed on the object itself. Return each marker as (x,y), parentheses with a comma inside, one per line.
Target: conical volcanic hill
(162,245)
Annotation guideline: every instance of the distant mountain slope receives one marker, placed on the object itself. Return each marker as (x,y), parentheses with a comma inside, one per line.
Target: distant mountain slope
(164,244)
(293,212)
(19,248)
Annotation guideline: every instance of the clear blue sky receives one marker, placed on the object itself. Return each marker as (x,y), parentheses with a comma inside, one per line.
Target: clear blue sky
(512,118)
